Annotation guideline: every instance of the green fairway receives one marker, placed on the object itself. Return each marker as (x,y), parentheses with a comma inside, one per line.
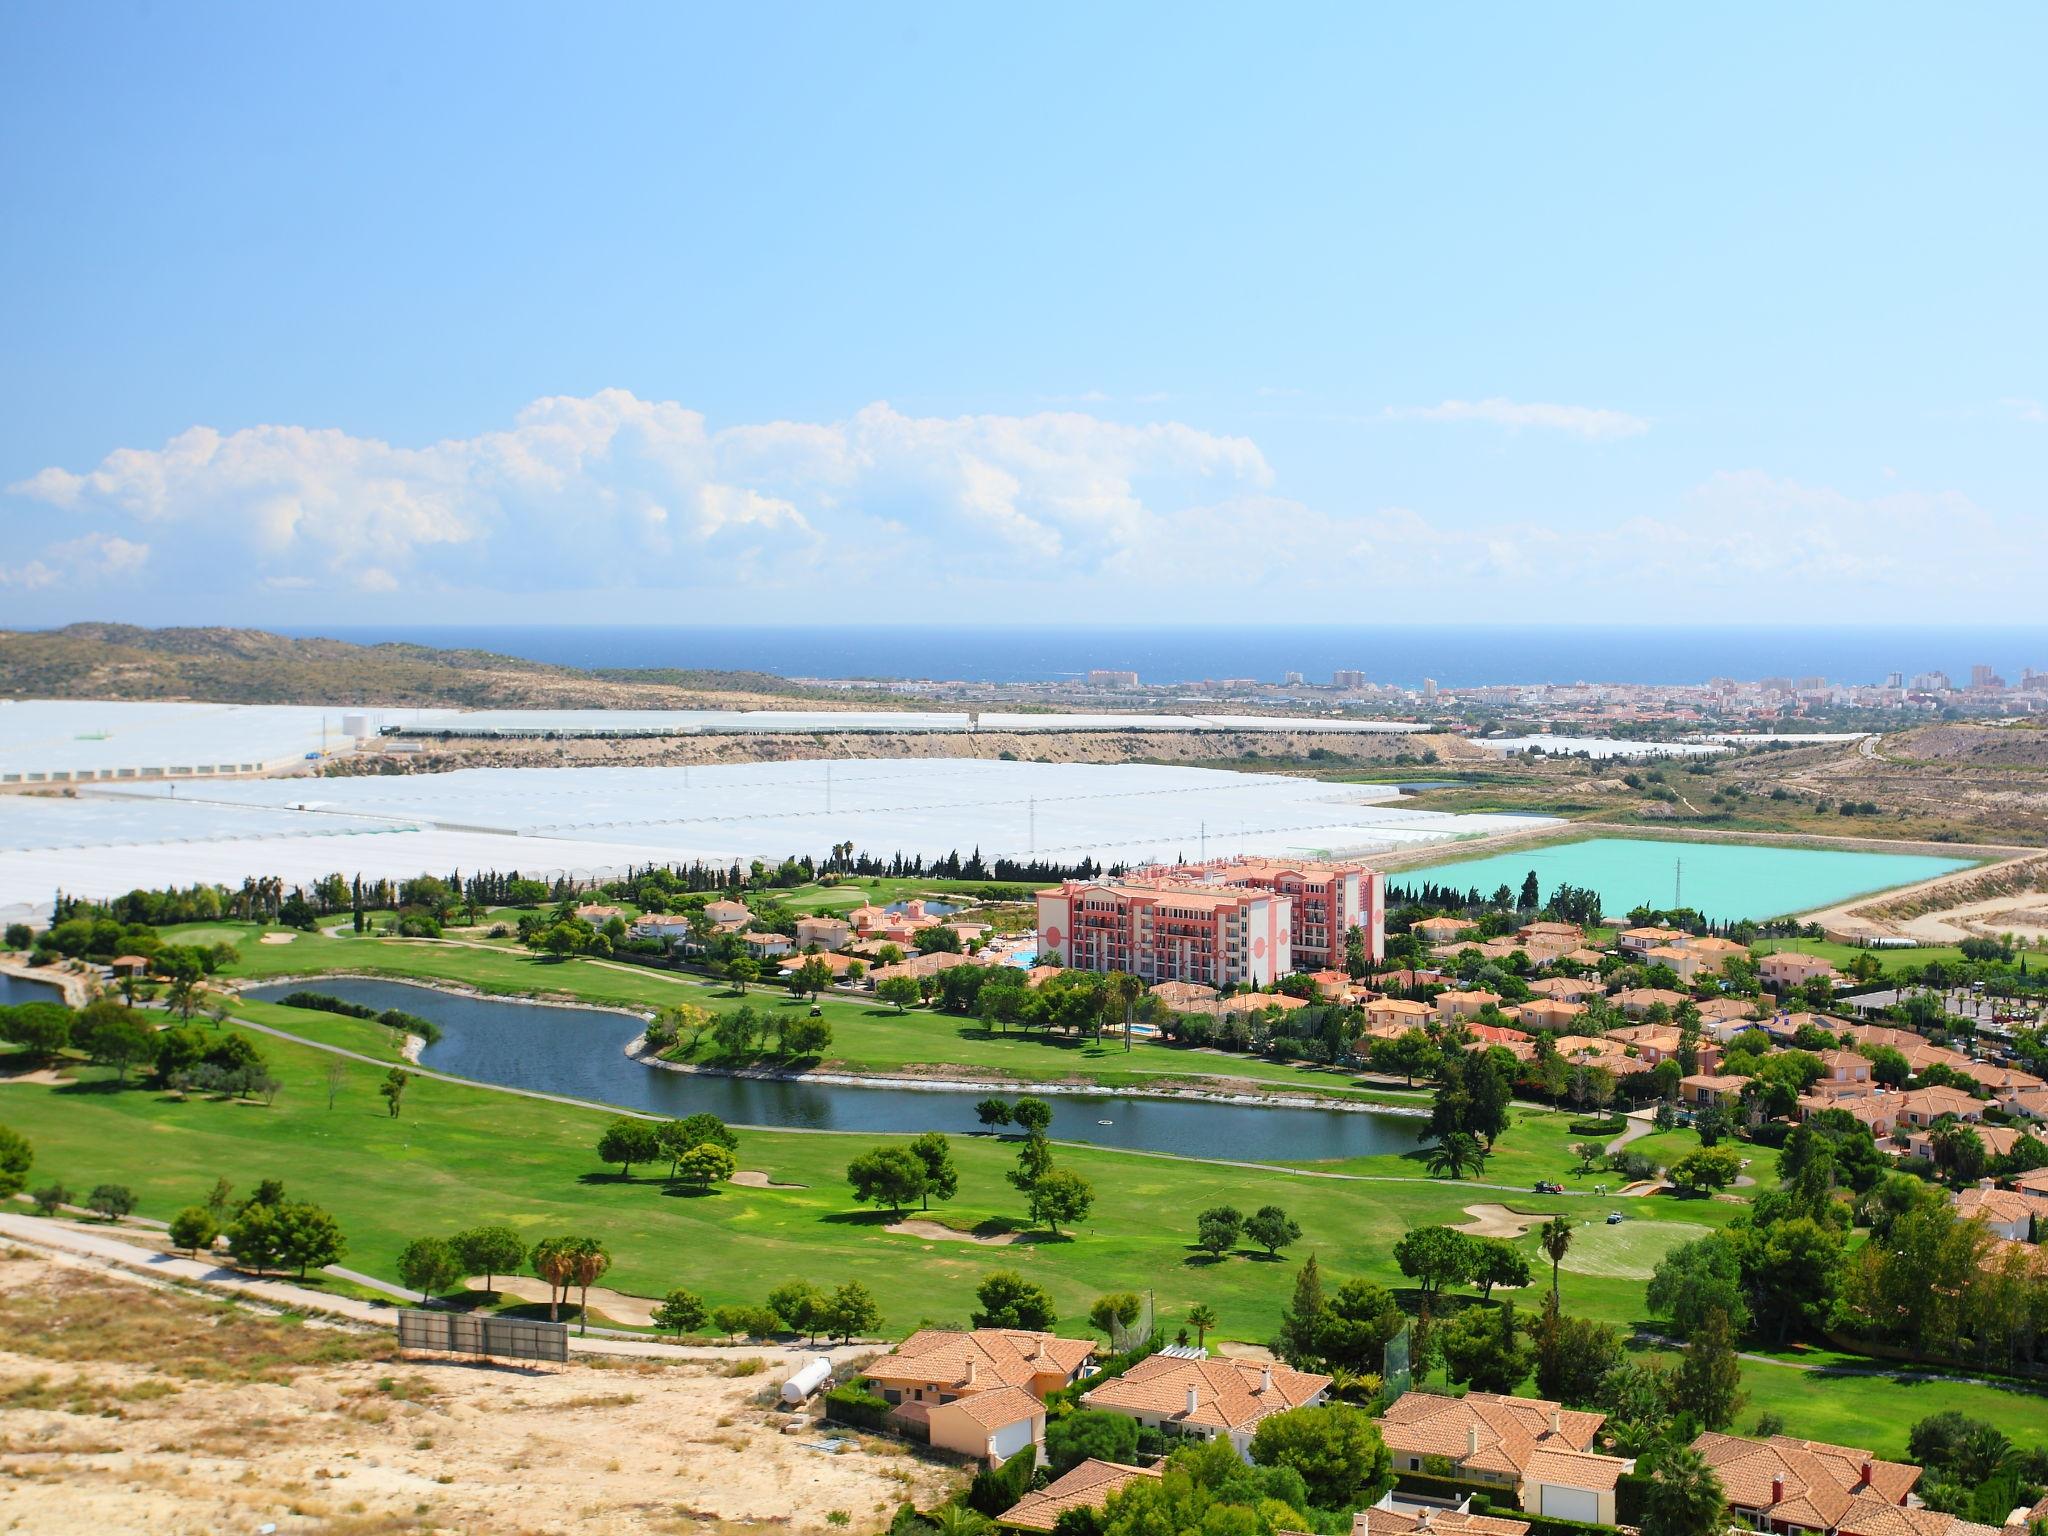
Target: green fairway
(1840,955)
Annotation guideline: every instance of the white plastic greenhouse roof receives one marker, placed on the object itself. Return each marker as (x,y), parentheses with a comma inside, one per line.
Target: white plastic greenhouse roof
(114,837)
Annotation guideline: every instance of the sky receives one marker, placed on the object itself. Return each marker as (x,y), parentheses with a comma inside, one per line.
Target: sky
(600,314)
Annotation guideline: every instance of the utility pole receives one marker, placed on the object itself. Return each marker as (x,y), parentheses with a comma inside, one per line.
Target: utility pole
(1032,843)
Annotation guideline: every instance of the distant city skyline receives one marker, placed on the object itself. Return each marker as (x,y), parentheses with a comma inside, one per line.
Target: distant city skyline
(478,314)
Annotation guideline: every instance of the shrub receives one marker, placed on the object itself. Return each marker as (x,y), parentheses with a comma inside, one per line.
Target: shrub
(854,1404)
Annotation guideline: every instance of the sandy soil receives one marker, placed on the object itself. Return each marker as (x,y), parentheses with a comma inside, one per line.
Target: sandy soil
(277,938)
(946,1234)
(605,1303)
(1499,1221)
(753,1178)
(144,1434)
(47,1076)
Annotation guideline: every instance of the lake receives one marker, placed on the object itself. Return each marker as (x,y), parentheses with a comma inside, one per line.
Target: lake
(580,1052)
(1722,881)
(15,990)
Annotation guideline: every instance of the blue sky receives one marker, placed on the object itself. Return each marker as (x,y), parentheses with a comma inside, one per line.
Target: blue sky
(581,314)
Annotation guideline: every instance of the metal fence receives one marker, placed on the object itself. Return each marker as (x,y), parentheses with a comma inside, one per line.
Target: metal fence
(464,1333)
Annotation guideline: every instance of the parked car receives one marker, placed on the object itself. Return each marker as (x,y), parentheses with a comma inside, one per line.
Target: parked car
(1614,1218)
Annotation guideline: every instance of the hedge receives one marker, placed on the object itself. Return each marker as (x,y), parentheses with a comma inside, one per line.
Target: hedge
(854,1404)
(1612,1127)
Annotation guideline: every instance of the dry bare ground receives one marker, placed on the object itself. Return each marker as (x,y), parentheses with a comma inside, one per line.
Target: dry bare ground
(128,1408)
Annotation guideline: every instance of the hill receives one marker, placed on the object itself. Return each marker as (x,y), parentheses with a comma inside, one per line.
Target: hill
(253,666)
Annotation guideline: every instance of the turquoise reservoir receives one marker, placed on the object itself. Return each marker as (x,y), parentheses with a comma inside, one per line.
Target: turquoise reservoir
(1723,881)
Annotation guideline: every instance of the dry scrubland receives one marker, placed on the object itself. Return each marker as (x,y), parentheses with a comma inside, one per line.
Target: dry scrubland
(133,1408)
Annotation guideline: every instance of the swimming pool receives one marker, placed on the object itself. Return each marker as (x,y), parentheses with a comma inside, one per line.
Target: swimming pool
(1722,881)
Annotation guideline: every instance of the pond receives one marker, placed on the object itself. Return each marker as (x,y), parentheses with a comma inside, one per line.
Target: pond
(928,905)
(580,1052)
(1722,881)
(15,990)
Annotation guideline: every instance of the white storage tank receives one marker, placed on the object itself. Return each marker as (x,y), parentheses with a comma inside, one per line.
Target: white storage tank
(355,727)
(799,1388)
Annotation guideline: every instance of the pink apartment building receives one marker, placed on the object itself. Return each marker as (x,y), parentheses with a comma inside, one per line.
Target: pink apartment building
(1329,900)
(1169,930)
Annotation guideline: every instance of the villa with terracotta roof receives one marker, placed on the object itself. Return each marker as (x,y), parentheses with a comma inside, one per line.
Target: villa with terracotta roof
(1636,942)
(1924,1106)
(1203,1398)
(978,1393)
(1456,1004)
(1387,1518)
(1086,1486)
(1789,968)
(1547,1013)
(1637,1001)
(1875,1110)
(824,931)
(1567,989)
(2011,1213)
(1437,930)
(1712,1088)
(1540,1450)
(1787,1485)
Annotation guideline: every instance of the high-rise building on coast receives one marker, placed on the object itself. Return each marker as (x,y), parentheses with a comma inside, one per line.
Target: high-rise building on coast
(1347,677)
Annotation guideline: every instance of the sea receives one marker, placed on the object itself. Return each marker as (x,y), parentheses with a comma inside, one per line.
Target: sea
(1460,655)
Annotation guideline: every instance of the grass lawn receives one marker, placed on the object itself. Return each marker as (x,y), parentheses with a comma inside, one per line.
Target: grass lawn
(459,1155)
(1839,955)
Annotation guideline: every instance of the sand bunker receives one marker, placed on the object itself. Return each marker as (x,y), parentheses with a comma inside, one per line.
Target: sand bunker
(277,938)
(1498,1221)
(754,1179)
(636,1311)
(933,1229)
(49,1077)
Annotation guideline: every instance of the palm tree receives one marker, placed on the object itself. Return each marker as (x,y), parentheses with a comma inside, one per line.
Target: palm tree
(1201,1317)
(1556,1235)
(1684,1497)
(1124,990)
(1455,1153)
(958,1520)
(588,1260)
(553,1261)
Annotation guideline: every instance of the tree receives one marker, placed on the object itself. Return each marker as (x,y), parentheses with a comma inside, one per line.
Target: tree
(627,1141)
(1573,1356)
(1300,1340)
(742,973)
(588,1260)
(115,1036)
(393,1088)
(941,1178)
(1061,1195)
(334,1076)
(1455,1155)
(489,1251)
(810,978)
(1707,1383)
(681,1310)
(1115,1312)
(1495,1262)
(851,1309)
(1201,1318)
(1556,1237)
(1336,1449)
(429,1265)
(1358,1322)
(1086,1433)
(1696,1278)
(276,1236)
(1708,1168)
(899,991)
(1034,1115)
(1034,1162)
(1483,1349)
(892,1176)
(194,1228)
(111,1201)
(553,1261)
(17,1156)
(51,1198)
(1434,1257)
(992,1112)
(1271,1228)
(706,1164)
(799,1304)
(1008,1300)
(1217,1229)
(675,1137)
(40,1029)
(1683,1497)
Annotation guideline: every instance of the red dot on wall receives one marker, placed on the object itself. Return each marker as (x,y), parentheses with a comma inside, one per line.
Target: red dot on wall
(1052,935)
(1259,947)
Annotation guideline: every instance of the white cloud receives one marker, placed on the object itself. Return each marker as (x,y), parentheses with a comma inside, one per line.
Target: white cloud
(85,561)
(1590,422)
(614,491)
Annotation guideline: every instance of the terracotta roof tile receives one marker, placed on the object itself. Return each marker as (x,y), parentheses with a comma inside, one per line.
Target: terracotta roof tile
(1087,1486)
(1228,1393)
